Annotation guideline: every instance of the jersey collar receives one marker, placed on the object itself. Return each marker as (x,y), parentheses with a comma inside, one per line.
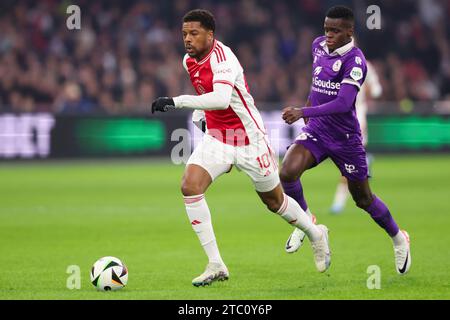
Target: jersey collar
(339,51)
(209,53)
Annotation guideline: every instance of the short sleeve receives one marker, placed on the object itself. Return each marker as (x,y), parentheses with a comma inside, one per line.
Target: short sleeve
(355,70)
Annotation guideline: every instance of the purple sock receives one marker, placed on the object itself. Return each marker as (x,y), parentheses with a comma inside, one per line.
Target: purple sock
(380,213)
(295,191)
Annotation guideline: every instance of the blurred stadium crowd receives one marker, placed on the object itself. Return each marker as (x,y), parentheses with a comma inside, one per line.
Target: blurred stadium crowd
(129,52)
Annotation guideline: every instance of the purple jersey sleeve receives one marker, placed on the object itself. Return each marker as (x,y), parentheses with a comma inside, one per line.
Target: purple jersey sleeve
(343,103)
(355,69)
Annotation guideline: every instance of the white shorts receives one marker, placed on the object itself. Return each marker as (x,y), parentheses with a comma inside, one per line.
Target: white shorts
(257,160)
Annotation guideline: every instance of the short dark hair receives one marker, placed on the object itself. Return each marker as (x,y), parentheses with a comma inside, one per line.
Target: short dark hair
(205,18)
(341,12)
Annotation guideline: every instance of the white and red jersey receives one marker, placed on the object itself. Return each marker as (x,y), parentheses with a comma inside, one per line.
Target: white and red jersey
(370,89)
(242,117)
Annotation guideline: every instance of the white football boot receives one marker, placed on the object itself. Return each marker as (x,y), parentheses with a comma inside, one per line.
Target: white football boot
(403,255)
(321,250)
(296,239)
(213,272)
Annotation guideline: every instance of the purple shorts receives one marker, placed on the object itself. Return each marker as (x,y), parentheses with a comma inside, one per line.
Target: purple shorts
(348,155)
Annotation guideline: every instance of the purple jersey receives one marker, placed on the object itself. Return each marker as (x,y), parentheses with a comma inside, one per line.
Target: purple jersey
(346,64)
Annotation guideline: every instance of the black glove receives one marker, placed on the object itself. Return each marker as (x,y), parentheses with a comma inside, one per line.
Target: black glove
(162,104)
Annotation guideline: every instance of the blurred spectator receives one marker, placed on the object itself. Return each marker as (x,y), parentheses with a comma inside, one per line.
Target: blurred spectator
(73,102)
(129,52)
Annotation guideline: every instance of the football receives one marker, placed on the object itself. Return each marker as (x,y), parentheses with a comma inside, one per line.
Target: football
(109,273)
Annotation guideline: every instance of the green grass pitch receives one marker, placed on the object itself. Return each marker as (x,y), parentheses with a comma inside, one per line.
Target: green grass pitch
(57,214)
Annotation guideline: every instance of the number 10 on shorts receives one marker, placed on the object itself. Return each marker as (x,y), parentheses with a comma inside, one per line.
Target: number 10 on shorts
(264,161)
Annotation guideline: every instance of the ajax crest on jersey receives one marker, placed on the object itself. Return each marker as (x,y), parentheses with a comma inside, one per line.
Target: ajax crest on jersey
(109,273)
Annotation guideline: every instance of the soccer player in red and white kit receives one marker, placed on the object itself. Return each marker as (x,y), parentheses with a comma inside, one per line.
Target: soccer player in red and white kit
(235,135)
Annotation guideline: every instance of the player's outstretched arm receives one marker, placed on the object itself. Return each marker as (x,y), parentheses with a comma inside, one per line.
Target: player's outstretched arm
(343,103)
(219,99)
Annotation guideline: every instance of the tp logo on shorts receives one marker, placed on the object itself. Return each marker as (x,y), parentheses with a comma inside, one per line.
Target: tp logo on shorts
(350,168)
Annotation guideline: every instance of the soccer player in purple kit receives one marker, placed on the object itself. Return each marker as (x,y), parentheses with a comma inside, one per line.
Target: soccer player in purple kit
(332,130)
